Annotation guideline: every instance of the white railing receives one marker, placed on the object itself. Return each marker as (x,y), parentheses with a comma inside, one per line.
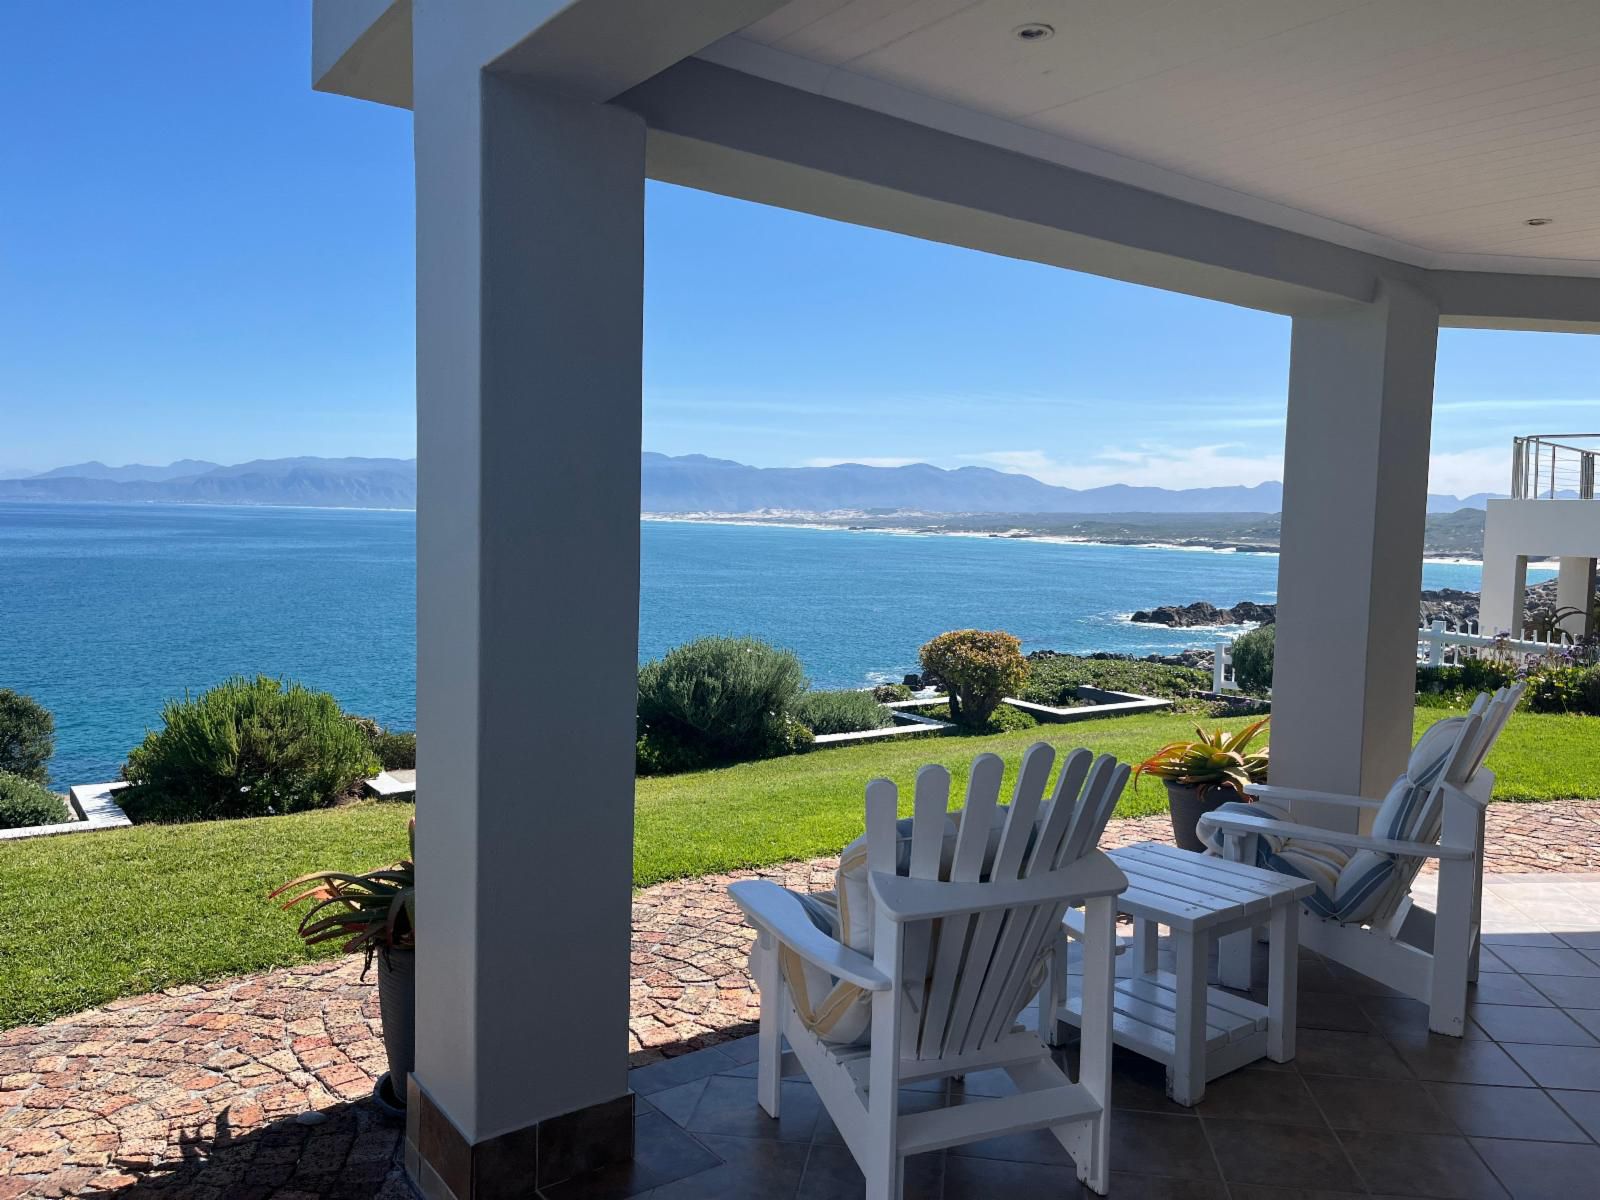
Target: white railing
(1544,468)
(1439,645)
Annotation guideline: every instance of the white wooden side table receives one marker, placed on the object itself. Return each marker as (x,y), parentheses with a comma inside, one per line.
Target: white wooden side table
(1173,1017)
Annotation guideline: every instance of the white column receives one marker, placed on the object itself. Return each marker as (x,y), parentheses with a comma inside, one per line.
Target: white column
(530,243)
(1575,589)
(1505,571)
(1354,505)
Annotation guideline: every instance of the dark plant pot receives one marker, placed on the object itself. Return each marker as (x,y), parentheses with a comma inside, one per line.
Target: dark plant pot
(1188,805)
(397,1001)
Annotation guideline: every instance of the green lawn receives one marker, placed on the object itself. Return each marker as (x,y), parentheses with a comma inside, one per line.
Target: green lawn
(86,919)
(784,809)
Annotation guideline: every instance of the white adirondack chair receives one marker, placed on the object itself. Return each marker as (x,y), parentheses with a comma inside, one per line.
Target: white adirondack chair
(956,957)
(1429,956)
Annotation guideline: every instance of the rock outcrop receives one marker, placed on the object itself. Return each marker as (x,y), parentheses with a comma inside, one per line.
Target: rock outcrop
(1246,612)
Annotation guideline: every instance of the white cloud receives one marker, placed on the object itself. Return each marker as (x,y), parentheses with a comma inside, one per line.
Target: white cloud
(867,461)
(1463,472)
(1146,466)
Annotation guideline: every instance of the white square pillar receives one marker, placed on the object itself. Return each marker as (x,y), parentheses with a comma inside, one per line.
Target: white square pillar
(530,263)
(1354,506)
(1575,592)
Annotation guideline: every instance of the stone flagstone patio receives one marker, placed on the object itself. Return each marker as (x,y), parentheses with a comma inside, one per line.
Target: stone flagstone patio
(256,1087)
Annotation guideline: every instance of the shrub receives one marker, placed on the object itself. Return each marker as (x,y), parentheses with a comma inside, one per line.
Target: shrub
(27,736)
(245,748)
(660,751)
(24,802)
(1252,659)
(1004,719)
(1054,680)
(728,698)
(840,712)
(887,693)
(979,667)
(1457,686)
(395,749)
(1561,688)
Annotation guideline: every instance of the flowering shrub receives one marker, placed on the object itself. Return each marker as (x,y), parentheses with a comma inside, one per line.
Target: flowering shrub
(979,668)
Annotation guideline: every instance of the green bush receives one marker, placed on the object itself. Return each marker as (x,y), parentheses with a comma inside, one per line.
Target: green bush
(662,752)
(1457,686)
(395,749)
(979,669)
(27,736)
(887,693)
(1252,659)
(1004,719)
(840,712)
(1054,680)
(245,748)
(728,698)
(24,802)
(1563,688)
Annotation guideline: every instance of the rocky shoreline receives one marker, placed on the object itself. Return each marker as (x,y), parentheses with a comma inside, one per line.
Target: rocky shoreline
(1450,605)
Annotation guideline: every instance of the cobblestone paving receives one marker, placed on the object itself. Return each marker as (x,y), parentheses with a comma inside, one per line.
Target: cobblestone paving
(255,1087)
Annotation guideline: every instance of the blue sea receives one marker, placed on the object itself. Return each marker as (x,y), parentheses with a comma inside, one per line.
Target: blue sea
(107,611)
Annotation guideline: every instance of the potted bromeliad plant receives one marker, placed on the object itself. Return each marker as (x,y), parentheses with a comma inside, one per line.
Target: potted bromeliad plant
(1204,774)
(374,914)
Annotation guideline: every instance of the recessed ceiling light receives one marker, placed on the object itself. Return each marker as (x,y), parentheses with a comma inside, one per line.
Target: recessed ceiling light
(1033,31)
(1540,221)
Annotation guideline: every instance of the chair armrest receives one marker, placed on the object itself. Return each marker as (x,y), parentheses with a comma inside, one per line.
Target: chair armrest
(1266,791)
(1239,823)
(774,911)
(904,899)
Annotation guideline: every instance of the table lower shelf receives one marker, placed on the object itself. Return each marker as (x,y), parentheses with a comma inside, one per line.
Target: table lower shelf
(1144,1019)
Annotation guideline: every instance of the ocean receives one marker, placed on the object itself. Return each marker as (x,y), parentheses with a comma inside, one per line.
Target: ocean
(107,611)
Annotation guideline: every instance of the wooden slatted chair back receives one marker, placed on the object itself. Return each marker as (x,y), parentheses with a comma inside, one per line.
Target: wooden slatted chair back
(1485,720)
(969,976)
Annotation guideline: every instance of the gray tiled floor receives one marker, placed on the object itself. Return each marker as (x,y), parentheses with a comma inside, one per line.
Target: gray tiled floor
(1372,1105)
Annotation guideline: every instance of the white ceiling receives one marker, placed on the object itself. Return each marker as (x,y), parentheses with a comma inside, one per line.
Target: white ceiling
(1428,130)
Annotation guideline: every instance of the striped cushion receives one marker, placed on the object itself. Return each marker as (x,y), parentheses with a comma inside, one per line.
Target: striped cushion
(1351,886)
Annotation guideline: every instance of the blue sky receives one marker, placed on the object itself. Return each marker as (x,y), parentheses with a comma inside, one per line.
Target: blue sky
(200,257)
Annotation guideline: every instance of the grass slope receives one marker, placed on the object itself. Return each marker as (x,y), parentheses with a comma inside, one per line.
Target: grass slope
(90,917)
(792,808)
(86,919)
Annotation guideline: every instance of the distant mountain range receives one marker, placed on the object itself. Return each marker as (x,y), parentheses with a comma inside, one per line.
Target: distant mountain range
(690,483)
(302,482)
(694,483)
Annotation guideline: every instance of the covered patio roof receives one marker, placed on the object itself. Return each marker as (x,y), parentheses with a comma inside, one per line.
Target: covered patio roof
(1374,171)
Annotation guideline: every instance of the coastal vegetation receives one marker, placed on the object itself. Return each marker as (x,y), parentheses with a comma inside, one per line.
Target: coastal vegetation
(1053,678)
(24,802)
(246,748)
(27,736)
(1252,660)
(205,919)
(718,700)
(979,668)
(847,711)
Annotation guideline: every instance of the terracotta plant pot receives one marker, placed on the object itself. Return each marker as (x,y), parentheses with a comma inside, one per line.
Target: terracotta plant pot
(1187,807)
(397,1001)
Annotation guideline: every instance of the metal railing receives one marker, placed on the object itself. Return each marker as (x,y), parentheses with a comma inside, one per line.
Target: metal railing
(1547,466)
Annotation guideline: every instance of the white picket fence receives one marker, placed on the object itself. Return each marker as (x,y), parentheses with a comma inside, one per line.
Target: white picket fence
(1438,645)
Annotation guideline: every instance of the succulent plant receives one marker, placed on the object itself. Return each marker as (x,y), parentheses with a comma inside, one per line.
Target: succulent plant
(1218,759)
(371,912)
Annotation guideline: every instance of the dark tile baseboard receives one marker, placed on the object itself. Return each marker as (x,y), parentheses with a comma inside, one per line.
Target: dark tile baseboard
(515,1165)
